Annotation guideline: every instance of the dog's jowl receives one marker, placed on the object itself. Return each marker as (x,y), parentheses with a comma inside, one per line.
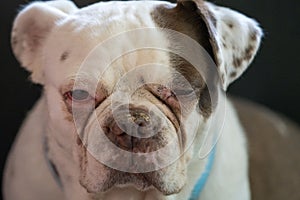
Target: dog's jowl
(133,105)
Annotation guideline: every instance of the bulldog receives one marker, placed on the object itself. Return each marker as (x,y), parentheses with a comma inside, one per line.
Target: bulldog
(133,105)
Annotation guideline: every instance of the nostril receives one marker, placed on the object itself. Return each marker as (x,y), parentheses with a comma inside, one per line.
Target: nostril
(141,122)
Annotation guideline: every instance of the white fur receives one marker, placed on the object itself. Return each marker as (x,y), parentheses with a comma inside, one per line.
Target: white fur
(228,178)
(62,27)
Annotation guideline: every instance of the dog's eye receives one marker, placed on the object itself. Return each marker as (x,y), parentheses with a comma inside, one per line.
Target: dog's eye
(166,92)
(78,96)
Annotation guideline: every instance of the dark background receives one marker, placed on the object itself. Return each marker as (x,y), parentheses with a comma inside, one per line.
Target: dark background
(272,80)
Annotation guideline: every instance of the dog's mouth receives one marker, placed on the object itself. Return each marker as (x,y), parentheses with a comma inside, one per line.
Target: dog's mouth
(123,179)
(140,181)
(143,170)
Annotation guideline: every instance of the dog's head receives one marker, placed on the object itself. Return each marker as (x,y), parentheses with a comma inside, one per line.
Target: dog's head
(121,84)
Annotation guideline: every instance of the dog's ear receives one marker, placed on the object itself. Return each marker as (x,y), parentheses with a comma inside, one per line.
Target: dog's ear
(30,30)
(234,38)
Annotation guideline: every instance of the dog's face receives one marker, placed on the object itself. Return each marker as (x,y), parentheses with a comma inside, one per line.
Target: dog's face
(120,98)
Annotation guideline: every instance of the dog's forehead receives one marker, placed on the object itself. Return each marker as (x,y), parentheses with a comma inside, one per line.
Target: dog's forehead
(105,31)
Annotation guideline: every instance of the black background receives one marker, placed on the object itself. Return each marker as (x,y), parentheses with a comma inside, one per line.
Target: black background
(272,80)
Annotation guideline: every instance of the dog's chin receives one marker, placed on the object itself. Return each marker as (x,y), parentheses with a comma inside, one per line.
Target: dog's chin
(159,180)
(123,180)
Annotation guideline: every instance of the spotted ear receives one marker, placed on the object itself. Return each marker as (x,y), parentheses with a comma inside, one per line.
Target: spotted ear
(30,30)
(234,37)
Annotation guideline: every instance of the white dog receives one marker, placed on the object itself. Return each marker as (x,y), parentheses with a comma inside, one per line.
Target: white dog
(122,81)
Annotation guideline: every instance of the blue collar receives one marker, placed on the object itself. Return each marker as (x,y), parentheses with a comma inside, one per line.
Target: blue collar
(203,179)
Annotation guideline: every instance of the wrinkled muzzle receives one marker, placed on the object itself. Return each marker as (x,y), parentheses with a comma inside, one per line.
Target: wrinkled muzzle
(132,138)
(138,143)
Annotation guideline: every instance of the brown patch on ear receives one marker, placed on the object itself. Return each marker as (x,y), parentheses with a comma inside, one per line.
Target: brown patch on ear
(249,52)
(237,62)
(232,74)
(253,35)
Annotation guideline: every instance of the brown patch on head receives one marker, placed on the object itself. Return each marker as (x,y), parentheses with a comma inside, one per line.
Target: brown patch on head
(187,19)
(197,82)
(205,103)
(64,56)
(190,5)
(237,62)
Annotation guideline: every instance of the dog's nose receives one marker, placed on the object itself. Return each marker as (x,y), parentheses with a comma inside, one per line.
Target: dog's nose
(133,129)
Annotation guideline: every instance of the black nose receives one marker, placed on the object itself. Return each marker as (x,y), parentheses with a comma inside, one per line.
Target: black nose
(140,117)
(132,128)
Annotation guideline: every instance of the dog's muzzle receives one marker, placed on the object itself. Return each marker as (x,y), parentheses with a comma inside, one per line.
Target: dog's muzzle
(135,129)
(135,144)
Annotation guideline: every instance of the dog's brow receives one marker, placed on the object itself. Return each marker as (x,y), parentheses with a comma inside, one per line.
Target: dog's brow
(93,87)
(78,82)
